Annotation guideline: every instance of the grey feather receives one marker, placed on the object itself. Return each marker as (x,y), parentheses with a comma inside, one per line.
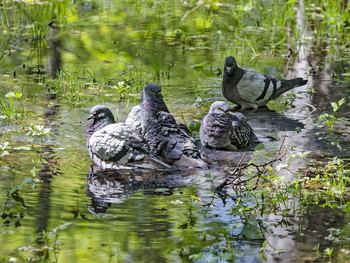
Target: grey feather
(251,89)
(164,136)
(224,130)
(115,145)
(174,144)
(134,119)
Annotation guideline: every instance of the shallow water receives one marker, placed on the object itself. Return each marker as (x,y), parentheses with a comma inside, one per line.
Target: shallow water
(158,217)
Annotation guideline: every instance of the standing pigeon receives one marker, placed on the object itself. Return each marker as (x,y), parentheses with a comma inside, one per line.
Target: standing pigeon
(115,145)
(164,136)
(251,89)
(224,130)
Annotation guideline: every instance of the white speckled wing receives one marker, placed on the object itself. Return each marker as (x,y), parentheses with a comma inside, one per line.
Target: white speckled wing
(108,144)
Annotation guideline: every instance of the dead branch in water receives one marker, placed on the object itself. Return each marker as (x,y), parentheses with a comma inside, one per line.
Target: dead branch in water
(238,178)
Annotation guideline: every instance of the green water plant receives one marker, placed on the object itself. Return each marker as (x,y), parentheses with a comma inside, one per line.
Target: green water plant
(14,206)
(3,149)
(41,132)
(11,107)
(329,120)
(45,247)
(334,177)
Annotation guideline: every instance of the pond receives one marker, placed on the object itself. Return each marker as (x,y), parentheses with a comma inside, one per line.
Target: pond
(60,58)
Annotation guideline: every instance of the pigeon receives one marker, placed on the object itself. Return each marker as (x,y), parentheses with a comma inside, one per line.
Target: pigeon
(251,89)
(225,130)
(114,145)
(134,119)
(165,137)
(151,103)
(173,144)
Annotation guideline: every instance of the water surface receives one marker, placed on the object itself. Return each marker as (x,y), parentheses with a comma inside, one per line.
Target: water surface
(107,51)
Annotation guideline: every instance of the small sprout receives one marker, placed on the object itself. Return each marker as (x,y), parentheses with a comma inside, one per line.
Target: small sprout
(38,131)
(199,102)
(328,251)
(3,150)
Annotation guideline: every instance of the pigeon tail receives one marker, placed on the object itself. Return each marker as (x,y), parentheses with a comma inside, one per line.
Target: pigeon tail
(186,161)
(288,85)
(143,148)
(297,82)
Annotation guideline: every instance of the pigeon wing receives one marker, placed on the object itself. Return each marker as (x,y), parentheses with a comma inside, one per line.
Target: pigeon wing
(241,133)
(255,87)
(117,146)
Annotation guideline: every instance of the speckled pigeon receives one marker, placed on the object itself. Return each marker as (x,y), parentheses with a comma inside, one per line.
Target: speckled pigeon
(115,145)
(134,119)
(224,130)
(164,136)
(251,89)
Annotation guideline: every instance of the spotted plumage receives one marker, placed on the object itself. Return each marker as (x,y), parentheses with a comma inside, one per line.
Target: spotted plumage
(251,89)
(224,130)
(114,145)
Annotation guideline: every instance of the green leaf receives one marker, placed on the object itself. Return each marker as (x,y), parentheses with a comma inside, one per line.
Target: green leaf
(15,196)
(18,95)
(61,227)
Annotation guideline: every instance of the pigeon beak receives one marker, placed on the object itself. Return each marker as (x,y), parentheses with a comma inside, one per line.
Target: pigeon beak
(228,69)
(90,117)
(235,109)
(159,94)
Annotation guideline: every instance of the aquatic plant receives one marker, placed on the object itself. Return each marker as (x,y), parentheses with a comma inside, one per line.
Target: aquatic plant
(14,206)
(3,149)
(329,120)
(329,18)
(334,176)
(45,247)
(11,107)
(41,132)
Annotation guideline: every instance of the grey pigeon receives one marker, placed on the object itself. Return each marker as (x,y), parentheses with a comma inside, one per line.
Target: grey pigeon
(114,145)
(164,136)
(151,103)
(172,143)
(251,89)
(225,130)
(134,119)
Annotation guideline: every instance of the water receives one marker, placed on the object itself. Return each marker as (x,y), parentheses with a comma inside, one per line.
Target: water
(159,217)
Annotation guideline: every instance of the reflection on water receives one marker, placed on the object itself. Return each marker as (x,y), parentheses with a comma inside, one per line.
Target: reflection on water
(123,216)
(114,186)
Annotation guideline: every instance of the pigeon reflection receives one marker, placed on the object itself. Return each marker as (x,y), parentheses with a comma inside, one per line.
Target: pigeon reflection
(267,121)
(107,187)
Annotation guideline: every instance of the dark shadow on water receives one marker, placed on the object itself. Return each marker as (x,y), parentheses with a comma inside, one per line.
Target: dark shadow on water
(265,120)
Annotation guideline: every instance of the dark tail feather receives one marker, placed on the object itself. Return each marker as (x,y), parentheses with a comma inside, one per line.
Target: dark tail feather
(297,82)
(287,85)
